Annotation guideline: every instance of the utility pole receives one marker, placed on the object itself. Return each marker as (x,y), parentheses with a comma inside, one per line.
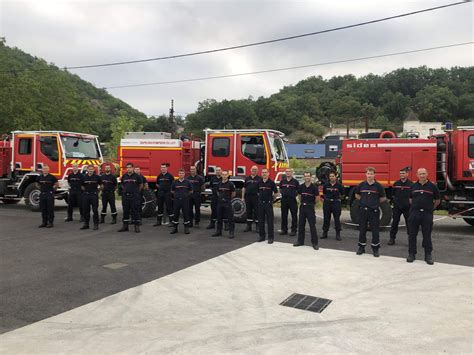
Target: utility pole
(171,117)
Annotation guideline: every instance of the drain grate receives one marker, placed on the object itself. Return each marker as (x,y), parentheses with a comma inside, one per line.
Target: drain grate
(306,302)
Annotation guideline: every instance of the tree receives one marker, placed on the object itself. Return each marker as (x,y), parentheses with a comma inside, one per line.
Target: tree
(435,103)
(118,128)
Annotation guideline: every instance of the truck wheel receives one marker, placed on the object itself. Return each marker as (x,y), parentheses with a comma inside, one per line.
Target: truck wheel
(240,211)
(32,196)
(385,213)
(148,204)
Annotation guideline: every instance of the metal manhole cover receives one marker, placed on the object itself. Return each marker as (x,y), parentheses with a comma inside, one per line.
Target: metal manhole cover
(306,302)
(115,266)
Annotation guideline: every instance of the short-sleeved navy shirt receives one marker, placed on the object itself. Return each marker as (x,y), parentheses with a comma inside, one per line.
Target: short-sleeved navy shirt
(46,182)
(333,192)
(401,193)
(289,188)
(144,180)
(75,180)
(251,185)
(424,195)
(214,182)
(109,181)
(197,181)
(308,193)
(181,188)
(370,194)
(131,183)
(266,190)
(225,190)
(91,182)
(164,182)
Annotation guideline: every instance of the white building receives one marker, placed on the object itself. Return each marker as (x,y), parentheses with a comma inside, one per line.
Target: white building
(417,129)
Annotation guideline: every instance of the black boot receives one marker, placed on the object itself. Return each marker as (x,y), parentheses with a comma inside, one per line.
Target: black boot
(137,228)
(249,227)
(375,251)
(231,234)
(96,227)
(226,226)
(361,250)
(338,235)
(325,235)
(211,225)
(85,226)
(81,220)
(429,259)
(297,244)
(114,219)
(411,258)
(282,232)
(315,247)
(217,233)
(292,233)
(102,218)
(175,229)
(186,229)
(68,219)
(158,221)
(196,224)
(391,241)
(50,225)
(270,241)
(124,228)
(42,225)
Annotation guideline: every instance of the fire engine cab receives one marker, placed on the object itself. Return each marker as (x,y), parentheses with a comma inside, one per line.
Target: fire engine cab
(24,153)
(448,158)
(234,150)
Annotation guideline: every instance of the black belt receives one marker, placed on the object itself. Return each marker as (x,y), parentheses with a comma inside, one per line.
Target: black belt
(332,199)
(265,201)
(46,192)
(307,204)
(130,193)
(368,208)
(91,192)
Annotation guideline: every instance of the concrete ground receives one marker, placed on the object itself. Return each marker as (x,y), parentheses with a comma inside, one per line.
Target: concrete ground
(228,303)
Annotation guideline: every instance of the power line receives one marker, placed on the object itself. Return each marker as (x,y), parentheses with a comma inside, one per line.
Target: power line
(254,43)
(289,68)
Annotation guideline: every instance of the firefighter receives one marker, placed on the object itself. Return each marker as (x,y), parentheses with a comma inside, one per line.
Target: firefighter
(90,198)
(424,199)
(250,197)
(225,212)
(74,196)
(333,192)
(109,184)
(181,189)
(309,193)
(165,200)
(131,186)
(266,192)
(47,184)
(401,203)
(370,195)
(195,199)
(213,184)
(289,190)
(144,187)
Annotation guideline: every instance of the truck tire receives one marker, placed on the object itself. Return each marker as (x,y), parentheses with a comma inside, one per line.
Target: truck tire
(148,204)
(240,211)
(31,195)
(385,213)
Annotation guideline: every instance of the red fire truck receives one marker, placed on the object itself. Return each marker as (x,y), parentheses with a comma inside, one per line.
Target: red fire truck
(232,150)
(24,153)
(448,157)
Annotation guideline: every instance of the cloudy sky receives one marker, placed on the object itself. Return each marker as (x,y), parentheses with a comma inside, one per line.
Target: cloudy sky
(70,33)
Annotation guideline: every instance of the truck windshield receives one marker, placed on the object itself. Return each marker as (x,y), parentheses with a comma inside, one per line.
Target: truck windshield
(80,147)
(278,148)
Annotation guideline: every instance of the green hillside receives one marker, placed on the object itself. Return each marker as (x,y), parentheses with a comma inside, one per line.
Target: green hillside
(45,97)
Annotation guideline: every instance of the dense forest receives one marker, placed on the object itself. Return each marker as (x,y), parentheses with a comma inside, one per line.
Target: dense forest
(306,110)
(47,97)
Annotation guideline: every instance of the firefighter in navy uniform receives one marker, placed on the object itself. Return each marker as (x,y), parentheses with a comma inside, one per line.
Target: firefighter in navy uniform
(213,183)
(181,189)
(266,191)
(289,191)
(144,187)
(47,184)
(401,203)
(424,198)
(109,185)
(164,197)
(250,197)
(370,194)
(90,197)
(225,194)
(333,192)
(308,192)
(131,186)
(74,196)
(195,200)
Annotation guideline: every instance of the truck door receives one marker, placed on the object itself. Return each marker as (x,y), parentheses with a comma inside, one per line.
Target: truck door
(467,165)
(220,152)
(251,151)
(48,153)
(24,155)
